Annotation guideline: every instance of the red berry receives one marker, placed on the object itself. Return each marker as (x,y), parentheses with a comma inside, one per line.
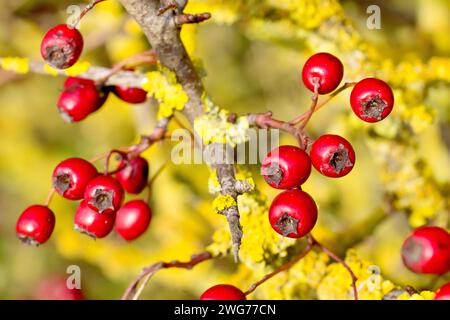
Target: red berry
(55,288)
(130,95)
(372,99)
(104,194)
(286,167)
(427,250)
(223,292)
(134,175)
(62,46)
(35,225)
(71,176)
(325,69)
(79,100)
(293,213)
(92,223)
(73,81)
(332,156)
(103,92)
(443,293)
(133,219)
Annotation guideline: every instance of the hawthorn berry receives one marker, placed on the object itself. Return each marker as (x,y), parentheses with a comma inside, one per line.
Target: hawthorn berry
(134,174)
(130,95)
(55,288)
(103,91)
(293,213)
(427,250)
(324,69)
(286,167)
(133,219)
(62,46)
(73,81)
(78,100)
(71,177)
(332,155)
(443,293)
(92,223)
(372,99)
(35,225)
(223,292)
(104,194)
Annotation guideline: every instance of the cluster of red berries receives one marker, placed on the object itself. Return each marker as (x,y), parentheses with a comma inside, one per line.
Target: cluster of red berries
(371,99)
(61,47)
(293,213)
(101,198)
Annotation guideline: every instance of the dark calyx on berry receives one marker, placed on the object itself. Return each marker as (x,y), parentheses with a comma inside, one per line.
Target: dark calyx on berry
(62,183)
(373,108)
(58,56)
(340,159)
(28,240)
(412,251)
(287,224)
(103,200)
(273,173)
(81,230)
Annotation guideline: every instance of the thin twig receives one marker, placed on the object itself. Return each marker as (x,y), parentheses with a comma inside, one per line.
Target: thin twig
(332,255)
(146,57)
(152,179)
(265,120)
(282,268)
(149,271)
(86,10)
(108,159)
(187,18)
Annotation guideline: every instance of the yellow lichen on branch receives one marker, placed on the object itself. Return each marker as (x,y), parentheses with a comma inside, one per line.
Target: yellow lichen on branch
(163,86)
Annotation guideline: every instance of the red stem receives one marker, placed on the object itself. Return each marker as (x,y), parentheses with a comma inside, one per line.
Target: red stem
(282,268)
(152,269)
(146,57)
(333,256)
(108,159)
(86,9)
(265,120)
(319,105)
(315,99)
(49,197)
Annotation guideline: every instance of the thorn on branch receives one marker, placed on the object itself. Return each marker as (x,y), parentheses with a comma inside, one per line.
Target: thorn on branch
(187,18)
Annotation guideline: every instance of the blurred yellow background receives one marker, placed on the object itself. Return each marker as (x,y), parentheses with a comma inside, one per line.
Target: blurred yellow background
(250,68)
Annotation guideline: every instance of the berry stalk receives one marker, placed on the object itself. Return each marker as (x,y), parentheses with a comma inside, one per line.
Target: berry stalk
(327,99)
(86,9)
(148,272)
(280,269)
